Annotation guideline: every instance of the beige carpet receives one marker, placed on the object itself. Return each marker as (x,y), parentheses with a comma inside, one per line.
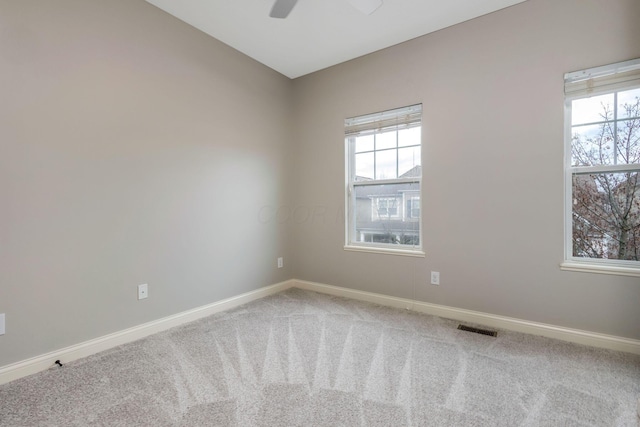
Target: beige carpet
(300,358)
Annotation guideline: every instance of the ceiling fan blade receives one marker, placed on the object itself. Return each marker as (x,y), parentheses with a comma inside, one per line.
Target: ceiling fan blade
(281,8)
(366,6)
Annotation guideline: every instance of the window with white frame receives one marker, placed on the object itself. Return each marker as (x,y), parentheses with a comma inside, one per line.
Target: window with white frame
(384,170)
(602,168)
(385,208)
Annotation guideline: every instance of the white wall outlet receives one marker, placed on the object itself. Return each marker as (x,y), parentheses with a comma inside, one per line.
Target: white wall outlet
(143,291)
(2,324)
(435,278)
(280,262)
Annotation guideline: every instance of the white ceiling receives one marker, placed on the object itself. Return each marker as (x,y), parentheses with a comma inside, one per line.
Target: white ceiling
(321,33)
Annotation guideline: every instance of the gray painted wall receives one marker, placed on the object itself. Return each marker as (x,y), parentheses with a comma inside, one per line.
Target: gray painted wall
(492,93)
(133,149)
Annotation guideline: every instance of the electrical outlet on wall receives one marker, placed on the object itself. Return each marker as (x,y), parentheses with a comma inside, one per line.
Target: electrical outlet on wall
(280,262)
(143,291)
(2,324)
(435,278)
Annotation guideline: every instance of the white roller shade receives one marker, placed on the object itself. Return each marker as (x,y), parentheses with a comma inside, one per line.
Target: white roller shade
(607,78)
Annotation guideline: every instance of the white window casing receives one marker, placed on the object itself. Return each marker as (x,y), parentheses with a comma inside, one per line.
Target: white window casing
(604,81)
(382,163)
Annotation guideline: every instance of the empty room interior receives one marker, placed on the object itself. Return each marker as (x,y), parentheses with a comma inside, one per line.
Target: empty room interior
(213,216)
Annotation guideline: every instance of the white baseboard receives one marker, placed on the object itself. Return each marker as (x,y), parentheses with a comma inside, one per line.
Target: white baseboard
(87,348)
(592,339)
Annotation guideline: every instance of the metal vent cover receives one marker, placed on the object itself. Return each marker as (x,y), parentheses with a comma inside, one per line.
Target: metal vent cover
(478,330)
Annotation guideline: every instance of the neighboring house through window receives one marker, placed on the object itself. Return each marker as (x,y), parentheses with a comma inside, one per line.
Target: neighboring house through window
(384,171)
(384,208)
(602,165)
(412,211)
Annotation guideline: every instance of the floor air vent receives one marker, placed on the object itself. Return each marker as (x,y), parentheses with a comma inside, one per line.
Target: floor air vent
(478,330)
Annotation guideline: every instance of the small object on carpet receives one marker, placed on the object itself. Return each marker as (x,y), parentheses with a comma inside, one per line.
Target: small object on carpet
(478,330)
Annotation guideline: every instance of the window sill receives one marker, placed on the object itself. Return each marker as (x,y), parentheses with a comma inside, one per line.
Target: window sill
(387,251)
(600,269)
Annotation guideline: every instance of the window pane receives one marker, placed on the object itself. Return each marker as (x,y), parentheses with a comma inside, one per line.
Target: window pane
(380,217)
(591,110)
(412,211)
(386,140)
(629,103)
(386,164)
(409,136)
(409,162)
(606,216)
(364,143)
(384,214)
(592,145)
(629,141)
(384,207)
(364,167)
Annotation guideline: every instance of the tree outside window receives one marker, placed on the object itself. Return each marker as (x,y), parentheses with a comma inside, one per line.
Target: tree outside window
(603,174)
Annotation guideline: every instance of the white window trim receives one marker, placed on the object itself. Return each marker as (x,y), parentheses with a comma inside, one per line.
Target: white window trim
(381,248)
(350,211)
(608,83)
(592,267)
